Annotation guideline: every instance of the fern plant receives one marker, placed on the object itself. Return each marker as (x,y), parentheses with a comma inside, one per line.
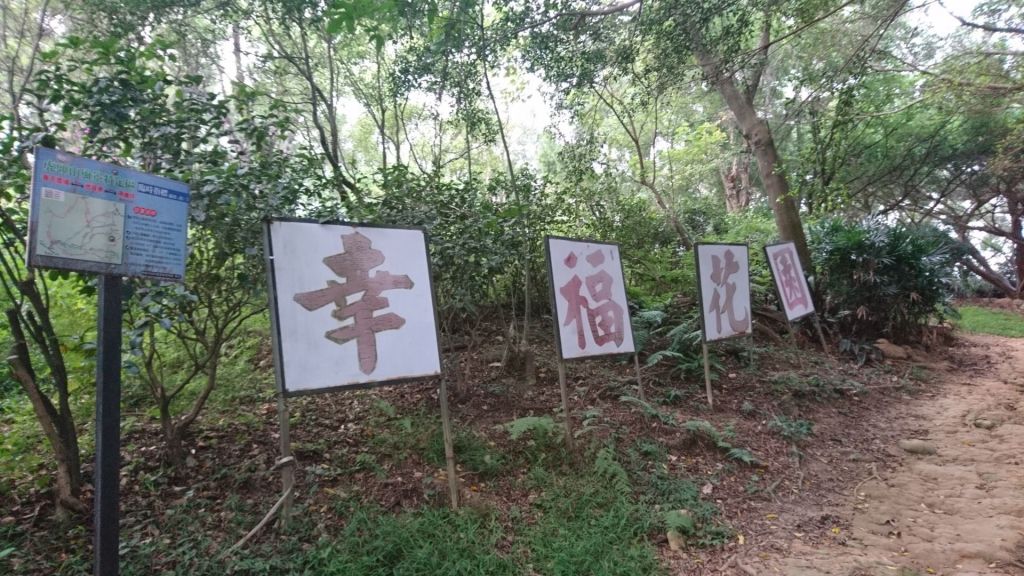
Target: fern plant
(533,425)
(608,469)
(721,440)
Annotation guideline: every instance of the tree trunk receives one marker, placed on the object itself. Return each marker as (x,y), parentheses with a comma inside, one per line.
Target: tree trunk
(736,181)
(174,453)
(523,348)
(1017,238)
(758,135)
(787,215)
(57,425)
(236,49)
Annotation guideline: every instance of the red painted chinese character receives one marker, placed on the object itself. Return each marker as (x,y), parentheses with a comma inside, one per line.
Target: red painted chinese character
(605,316)
(354,265)
(792,288)
(722,304)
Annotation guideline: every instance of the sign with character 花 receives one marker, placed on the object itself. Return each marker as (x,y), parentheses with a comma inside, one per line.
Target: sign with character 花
(789,280)
(589,293)
(353,305)
(723,276)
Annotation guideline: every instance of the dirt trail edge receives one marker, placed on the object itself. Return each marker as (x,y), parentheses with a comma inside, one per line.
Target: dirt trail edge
(957,511)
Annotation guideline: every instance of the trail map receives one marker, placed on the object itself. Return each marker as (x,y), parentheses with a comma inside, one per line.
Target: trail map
(80,227)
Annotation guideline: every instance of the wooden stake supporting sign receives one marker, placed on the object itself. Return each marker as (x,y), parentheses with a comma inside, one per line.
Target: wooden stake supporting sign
(352,306)
(588,299)
(723,282)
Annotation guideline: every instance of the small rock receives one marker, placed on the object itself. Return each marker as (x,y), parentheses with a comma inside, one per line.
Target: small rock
(915,446)
(191,462)
(984,424)
(676,541)
(890,350)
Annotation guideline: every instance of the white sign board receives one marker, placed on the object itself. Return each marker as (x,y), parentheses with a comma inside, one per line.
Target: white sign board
(789,280)
(589,293)
(352,305)
(723,278)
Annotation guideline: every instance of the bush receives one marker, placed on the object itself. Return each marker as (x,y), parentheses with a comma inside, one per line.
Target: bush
(877,279)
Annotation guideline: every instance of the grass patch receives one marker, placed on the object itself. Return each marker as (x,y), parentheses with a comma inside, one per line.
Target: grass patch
(590,527)
(426,541)
(989,321)
(472,452)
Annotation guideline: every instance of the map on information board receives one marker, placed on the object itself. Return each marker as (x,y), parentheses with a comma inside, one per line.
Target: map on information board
(93,216)
(80,227)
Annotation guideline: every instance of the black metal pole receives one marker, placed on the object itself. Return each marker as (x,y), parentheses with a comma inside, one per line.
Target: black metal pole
(108,427)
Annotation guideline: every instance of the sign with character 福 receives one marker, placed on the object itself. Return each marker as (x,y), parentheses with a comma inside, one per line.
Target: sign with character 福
(353,305)
(589,293)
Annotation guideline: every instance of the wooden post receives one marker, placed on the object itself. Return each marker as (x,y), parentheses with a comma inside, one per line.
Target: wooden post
(286,461)
(707,375)
(565,405)
(821,336)
(639,382)
(792,340)
(449,446)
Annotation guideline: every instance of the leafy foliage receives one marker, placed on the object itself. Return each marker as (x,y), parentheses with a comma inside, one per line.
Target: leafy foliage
(877,279)
(534,425)
(608,470)
(794,431)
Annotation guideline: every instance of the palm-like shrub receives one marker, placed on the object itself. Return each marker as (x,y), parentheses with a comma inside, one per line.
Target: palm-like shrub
(876,279)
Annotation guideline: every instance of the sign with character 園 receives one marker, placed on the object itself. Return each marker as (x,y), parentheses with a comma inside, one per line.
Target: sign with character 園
(589,292)
(790,281)
(353,305)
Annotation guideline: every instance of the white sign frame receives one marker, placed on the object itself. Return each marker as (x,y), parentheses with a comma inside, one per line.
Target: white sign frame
(559,309)
(293,269)
(705,291)
(769,250)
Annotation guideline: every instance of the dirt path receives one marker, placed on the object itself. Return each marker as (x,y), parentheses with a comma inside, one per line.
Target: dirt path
(959,511)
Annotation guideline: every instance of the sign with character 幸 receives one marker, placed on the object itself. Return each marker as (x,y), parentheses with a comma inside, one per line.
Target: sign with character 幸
(589,294)
(352,305)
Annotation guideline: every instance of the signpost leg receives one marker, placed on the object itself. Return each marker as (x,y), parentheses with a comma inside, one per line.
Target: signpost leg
(449,445)
(821,335)
(707,375)
(792,333)
(639,382)
(108,427)
(286,462)
(565,405)
(792,341)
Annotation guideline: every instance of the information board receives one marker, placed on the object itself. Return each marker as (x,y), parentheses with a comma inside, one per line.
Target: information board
(92,216)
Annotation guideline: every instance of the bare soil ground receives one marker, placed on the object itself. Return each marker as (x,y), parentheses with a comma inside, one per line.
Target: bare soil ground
(846,500)
(957,511)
